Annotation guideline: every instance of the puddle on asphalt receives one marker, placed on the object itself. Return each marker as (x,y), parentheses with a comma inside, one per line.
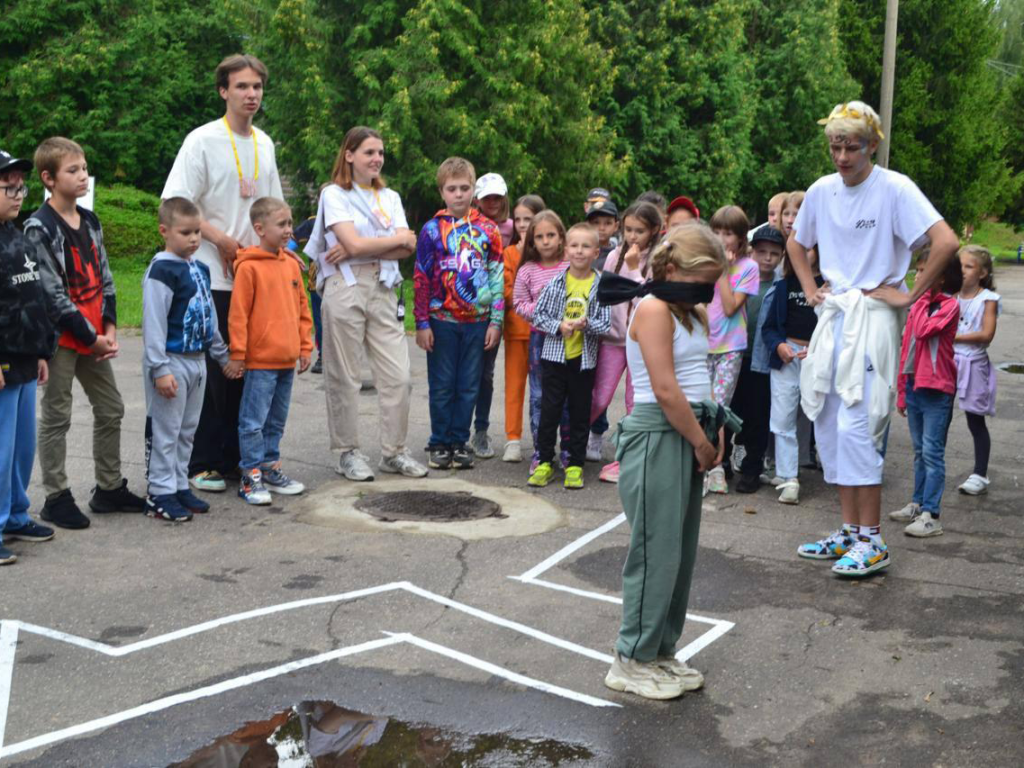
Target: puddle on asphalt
(1011,367)
(317,734)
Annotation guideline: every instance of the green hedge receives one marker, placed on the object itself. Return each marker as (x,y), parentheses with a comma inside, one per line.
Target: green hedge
(129,219)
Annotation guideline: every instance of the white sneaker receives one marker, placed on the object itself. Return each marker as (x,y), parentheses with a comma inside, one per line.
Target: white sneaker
(644,679)
(739,453)
(513,452)
(691,679)
(481,445)
(772,480)
(924,525)
(906,514)
(354,466)
(975,485)
(716,481)
(401,464)
(790,491)
(595,445)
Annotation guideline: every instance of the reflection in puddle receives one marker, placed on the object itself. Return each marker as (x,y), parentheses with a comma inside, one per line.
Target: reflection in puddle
(320,734)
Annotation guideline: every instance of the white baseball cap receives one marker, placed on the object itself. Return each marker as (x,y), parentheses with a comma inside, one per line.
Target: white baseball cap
(491,184)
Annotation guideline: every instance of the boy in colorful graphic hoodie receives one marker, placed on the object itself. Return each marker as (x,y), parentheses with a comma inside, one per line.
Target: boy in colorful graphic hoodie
(459,309)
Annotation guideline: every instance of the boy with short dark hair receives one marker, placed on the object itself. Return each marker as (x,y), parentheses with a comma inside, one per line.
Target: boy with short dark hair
(460,304)
(603,216)
(270,329)
(179,325)
(77,280)
(573,320)
(27,339)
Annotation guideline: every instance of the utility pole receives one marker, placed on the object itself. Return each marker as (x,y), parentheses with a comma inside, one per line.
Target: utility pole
(888,78)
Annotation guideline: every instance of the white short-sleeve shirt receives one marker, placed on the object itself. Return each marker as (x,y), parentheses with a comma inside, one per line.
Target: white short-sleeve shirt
(205,172)
(864,233)
(342,205)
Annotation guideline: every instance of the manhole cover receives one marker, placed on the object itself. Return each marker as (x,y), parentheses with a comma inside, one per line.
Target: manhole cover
(429,506)
(1011,367)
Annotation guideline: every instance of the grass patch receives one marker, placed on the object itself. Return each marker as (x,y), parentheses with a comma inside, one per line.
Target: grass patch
(1000,239)
(128,282)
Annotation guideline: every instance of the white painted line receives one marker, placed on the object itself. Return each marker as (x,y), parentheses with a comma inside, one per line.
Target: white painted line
(720,628)
(199,693)
(8,646)
(567,550)
(508,624)
(514,677)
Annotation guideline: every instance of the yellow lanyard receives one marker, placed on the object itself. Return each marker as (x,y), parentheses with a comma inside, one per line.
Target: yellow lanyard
(255,151)
(384,218)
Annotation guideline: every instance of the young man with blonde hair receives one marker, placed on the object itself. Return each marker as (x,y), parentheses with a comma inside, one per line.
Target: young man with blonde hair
(865,221)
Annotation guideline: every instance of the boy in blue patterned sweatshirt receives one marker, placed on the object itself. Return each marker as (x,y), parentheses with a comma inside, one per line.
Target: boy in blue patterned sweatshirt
(179,324)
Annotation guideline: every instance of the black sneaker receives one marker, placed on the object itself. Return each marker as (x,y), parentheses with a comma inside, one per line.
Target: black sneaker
(62,511)
(440,457)
(167,507)
(748,484)
(191,502)
(462,457)
(6,556)
(31,531)
(318,366)
(118,500)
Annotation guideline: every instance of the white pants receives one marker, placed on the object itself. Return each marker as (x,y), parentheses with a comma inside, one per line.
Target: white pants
(785,384)
(845,448)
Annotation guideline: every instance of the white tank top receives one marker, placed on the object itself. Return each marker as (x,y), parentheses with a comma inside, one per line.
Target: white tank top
(690,357)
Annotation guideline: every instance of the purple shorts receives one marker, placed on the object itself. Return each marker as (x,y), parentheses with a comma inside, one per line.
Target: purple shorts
(976,385)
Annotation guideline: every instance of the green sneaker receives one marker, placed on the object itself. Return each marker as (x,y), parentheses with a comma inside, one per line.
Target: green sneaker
(574,477)
(542,475)
(211,482)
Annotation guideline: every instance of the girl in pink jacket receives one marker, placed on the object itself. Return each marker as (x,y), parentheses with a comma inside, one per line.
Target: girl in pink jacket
(926,385)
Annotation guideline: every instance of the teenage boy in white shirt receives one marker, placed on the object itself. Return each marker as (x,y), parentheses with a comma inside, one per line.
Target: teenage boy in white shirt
(865,221)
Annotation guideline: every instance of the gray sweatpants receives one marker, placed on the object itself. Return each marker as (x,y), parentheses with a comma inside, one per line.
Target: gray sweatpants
(173,423)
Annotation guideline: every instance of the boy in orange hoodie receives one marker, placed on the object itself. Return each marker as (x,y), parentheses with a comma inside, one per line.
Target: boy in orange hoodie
(270,329)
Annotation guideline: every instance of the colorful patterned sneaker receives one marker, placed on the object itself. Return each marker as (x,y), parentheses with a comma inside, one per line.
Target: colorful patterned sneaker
(402,464)
(574,478)
(595,447)
(192,503)
(924,526)
(542,475)
(863,558)
(277,481)
(609,473)
(645,679)
(906,514)
(836,544)
(513,452)
(716,481)
(975,485)
(251,488)
(691,679)
(30,531)
(481,445)
(211,482)
(167,507)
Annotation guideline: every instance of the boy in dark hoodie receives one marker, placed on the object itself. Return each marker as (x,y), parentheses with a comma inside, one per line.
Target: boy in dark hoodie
(27,339)
(270,329)
(76,277)
(459,309)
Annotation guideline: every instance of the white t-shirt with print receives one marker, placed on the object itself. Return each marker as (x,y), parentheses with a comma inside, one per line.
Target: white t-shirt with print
(386,205)
(864,233)
(205,173)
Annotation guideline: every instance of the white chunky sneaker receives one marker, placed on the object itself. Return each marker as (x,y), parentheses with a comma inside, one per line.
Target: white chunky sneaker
(595,446)
(354,466)
(691,679)
(906,514)
(924,526)
(790,491)
(402,464)
(975,485)
(645,679)
(513,452)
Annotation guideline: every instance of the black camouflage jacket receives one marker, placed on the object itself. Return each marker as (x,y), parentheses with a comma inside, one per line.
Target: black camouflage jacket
(27,317)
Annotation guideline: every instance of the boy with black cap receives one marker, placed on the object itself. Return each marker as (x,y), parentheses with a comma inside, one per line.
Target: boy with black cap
(27,340)
(753,399)
(604,217)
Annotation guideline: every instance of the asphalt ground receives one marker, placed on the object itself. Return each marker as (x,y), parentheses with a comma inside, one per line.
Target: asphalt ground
(149,640)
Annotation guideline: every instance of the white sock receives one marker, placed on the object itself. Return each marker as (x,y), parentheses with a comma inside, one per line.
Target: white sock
(873,532)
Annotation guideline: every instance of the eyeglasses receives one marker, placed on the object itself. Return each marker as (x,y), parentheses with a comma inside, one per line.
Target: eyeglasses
(15,192)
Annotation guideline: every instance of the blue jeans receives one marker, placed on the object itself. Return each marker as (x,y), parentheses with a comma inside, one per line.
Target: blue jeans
(453,374)
(315,301)
(262,415)
(929,412)
(17,453)
(483,401)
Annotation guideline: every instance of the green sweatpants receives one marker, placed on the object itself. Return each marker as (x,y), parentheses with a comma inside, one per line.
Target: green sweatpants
(661,493)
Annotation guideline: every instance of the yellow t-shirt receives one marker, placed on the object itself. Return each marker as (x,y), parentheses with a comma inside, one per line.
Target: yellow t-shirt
(577,295)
